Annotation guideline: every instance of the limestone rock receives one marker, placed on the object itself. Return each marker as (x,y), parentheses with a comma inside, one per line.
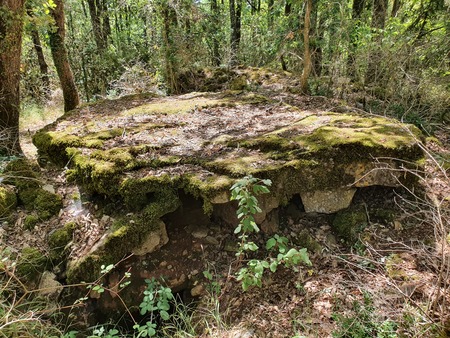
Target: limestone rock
(328,201)
(154,240)
(49,286)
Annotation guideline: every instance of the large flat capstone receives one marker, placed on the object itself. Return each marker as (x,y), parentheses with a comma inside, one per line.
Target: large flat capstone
(144,150)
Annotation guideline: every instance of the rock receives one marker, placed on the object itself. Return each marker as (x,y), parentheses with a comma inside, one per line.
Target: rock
(200,233)
(48,187)
(223,197)
(349,223)
(198,290)
(49,287)
(211,240)
(271,223)
(177,283)
(154,240)
(329,201)
(267,203)
(8,200)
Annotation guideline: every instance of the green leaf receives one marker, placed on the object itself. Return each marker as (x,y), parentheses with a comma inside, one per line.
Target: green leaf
(164,315)
(271,242)
(273,266)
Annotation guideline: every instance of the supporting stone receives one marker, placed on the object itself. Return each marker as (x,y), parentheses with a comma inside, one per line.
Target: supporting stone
(329,201)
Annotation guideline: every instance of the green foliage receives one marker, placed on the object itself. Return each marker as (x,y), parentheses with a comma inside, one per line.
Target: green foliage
(363,322)
(245,191)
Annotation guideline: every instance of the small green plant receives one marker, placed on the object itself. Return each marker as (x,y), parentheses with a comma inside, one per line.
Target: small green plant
(156,300)
(245,191)
(363,322)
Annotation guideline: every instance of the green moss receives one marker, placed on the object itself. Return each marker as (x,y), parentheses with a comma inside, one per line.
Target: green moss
(94,174)
(58,241)
(30,222)
(394,268)
(126,233)
(52,145)
(47,204)
(30,264)
(8,200)
(305,240)
(21,174)
(27,197)
(349,223)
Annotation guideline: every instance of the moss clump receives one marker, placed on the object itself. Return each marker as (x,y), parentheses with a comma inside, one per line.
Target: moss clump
(53,144)
(349,223)
(47,204)
(394,268)
(305,240)
(21,174)
(125,235)
(58,241)
(30,264)
(30,222)
(8,200)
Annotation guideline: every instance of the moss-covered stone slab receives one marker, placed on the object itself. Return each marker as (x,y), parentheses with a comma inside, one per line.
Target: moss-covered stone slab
(144,151)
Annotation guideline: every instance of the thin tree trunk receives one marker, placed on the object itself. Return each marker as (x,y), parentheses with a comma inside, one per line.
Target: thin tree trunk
(287,8)
(11,26)
(395,8)
(374,71)
(307,52)
(61,59)
(43,67)
(216,59)
(357,10)
(235,20)
(317,37)
(169,52)
(270,13)
(100,23)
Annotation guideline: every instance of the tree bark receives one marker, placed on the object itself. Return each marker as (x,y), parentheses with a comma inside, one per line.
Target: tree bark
(169,18)
(357,10)
(43,67)
(215,12)
(11,26)
(270,4)
(100,22)
(61,58)
(235,20)
(374,71)
(395,8)
(307,52)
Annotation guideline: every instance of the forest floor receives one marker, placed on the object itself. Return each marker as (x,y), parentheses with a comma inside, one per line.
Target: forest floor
(393,282)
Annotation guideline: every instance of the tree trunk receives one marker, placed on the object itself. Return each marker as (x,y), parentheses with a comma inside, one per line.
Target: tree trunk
(374,71)
(395,7)
(235,20)
(307,52)
(61,59)
(169,18)
(43,67)
(101,27)
(216,59)
(270,4)
(357,10)
(11,25)
(317,37)
(287,8)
